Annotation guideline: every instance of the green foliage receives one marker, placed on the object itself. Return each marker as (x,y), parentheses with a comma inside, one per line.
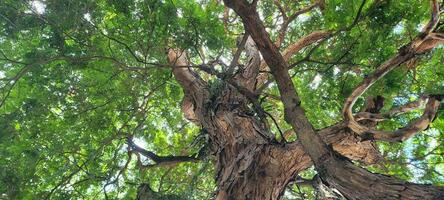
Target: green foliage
(79,76)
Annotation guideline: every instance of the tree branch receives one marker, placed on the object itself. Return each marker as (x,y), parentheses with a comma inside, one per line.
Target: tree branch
(393,112)
(248,75)
(288,19)
(411,129)
(187,78)
(303,42)
(194,86)
(420,44)
(352,181)
(161,160)
(290,51)
(240,48)
(294,114)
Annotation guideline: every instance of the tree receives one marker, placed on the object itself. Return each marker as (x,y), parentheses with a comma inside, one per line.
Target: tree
(227,100)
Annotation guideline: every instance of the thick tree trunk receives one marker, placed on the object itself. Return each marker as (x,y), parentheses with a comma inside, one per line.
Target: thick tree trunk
(357,183)
(353,182)
(250,164)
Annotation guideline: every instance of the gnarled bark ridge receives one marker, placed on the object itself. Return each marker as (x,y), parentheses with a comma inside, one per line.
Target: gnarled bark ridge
(252,164)
(353,182)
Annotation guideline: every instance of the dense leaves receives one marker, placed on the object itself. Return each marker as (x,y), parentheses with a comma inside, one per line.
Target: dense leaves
(78,77)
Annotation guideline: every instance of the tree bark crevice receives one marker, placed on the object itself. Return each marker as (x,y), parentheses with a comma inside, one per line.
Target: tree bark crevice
(353,182)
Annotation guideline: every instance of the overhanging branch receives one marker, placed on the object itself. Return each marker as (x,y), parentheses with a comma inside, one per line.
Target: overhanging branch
(422,43)
(162,160)
(291,50)
(413,127)
(352,181)
(393,112)
(294,114)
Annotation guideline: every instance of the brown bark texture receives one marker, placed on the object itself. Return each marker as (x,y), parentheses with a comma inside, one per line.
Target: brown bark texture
(252,164)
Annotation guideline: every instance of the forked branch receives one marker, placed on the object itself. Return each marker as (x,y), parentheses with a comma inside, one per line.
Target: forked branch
(352,181)
(293,112)
(190,80)
(413,127)
(393,112)
(422,43)
(193,85)
(291,50)
(161,160)
(288,19)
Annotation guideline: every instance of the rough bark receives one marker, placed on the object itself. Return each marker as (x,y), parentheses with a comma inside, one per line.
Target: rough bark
(353,182)
(412,128)
(422,43)
(357,183)
(249,163)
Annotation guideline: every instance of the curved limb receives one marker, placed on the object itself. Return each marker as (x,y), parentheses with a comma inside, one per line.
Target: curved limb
(420,44)
(160,160)
(291,50)
(412,128)
(393,112)
(353,182)
(193,85)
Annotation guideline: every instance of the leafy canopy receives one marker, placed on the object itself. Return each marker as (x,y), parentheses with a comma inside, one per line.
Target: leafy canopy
(78,77)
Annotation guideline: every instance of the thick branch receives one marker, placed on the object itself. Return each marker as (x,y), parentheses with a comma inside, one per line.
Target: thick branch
(162,160)
(194,87)
(420,44)
(294,114)
(434,18)
(411,129)
(345,143)
(187,78)
(367,82)
(303,42)
(393,112)
(291,50)
(353,182)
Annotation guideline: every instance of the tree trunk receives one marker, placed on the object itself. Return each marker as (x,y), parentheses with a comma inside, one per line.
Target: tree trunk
(357,183)
(250,164)
(353,182)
